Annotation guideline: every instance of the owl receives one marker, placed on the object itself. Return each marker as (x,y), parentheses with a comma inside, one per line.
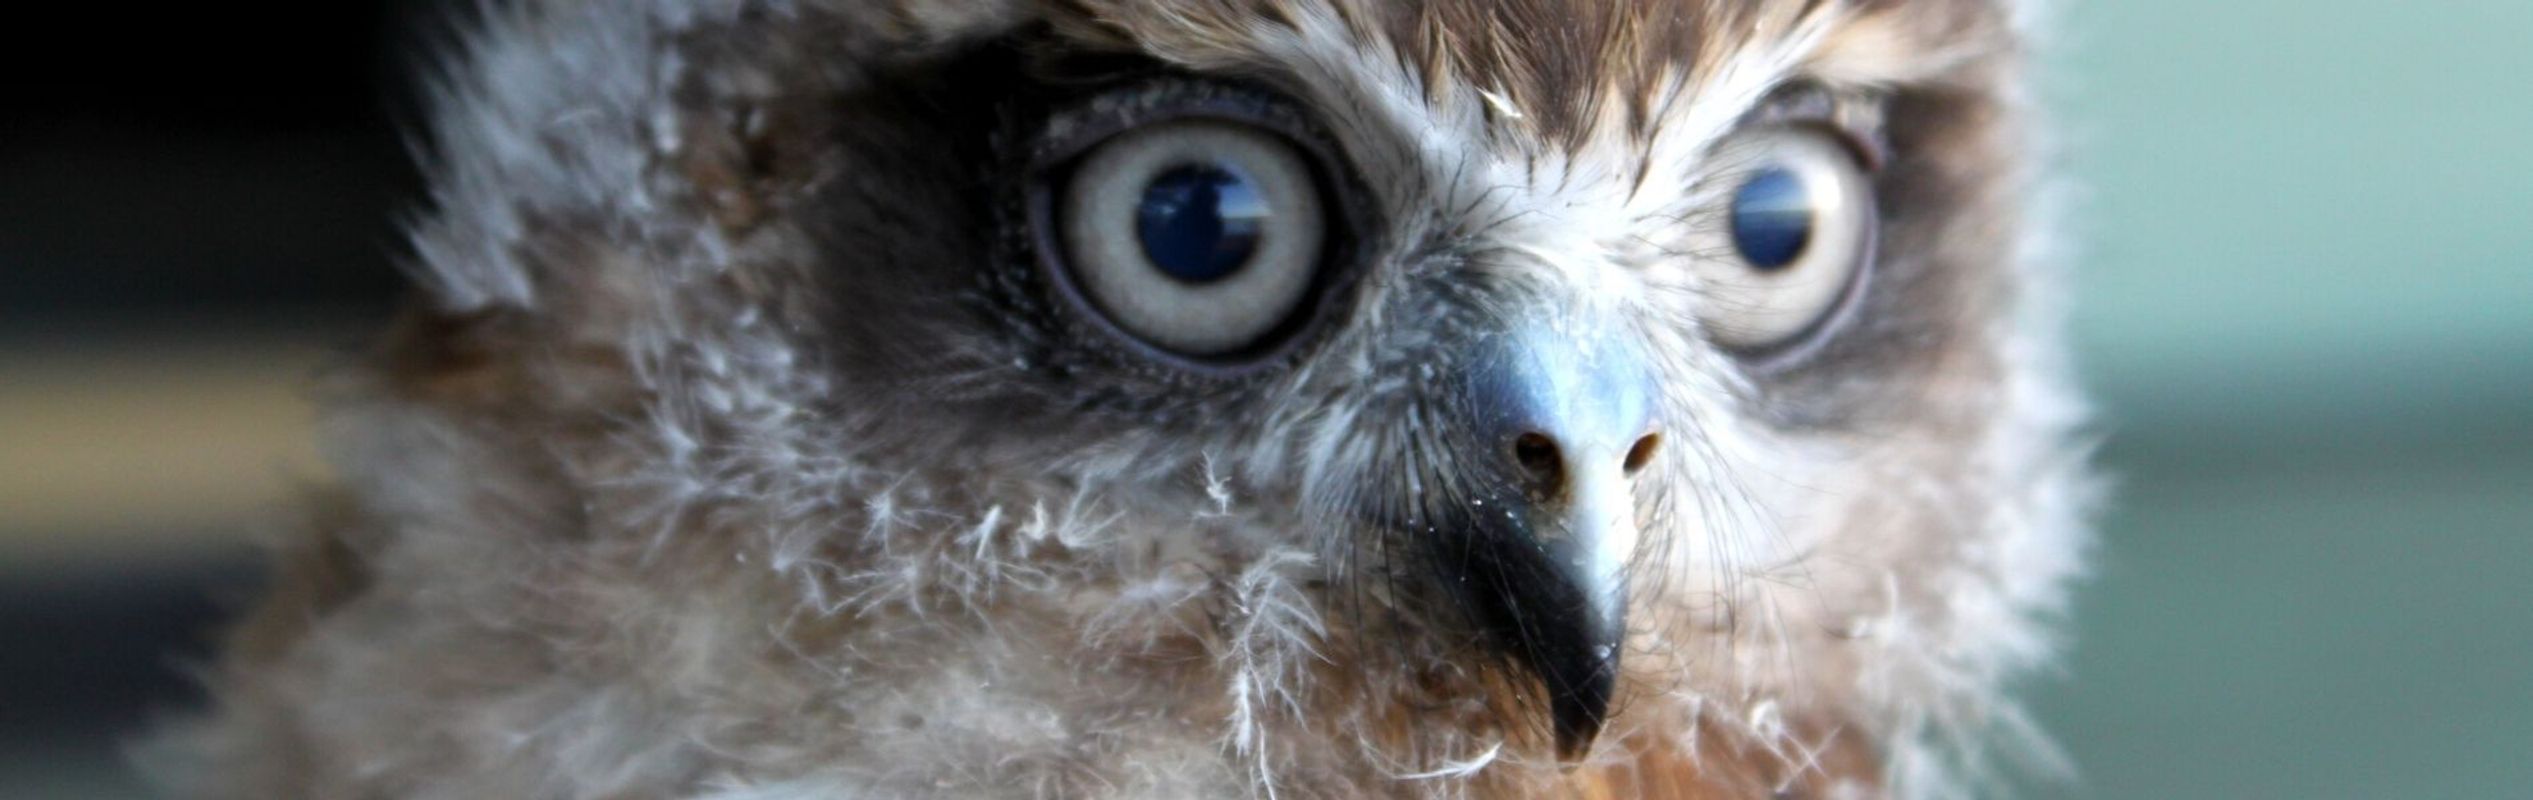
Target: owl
(1188,398)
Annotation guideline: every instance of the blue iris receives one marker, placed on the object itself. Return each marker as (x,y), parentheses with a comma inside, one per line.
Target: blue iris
(1200,223)
(1772,219)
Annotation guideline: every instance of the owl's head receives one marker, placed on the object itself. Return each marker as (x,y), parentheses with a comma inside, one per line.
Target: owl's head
(1625,361)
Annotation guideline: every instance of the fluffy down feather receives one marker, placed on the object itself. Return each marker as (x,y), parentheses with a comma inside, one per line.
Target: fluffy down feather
(694,473)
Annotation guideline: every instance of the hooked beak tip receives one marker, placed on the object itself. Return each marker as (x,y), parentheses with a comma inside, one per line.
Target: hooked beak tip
(1564,623)
(1580,707)
(1577,659)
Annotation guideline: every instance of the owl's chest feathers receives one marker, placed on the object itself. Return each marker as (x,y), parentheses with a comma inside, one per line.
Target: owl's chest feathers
(940,633)
(888,648)
(1148,654)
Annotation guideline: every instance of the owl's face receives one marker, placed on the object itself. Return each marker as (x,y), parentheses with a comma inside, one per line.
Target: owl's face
(1611,350)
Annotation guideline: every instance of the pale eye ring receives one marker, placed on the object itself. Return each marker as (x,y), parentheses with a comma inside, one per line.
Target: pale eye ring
(1794,235)
(1200,237)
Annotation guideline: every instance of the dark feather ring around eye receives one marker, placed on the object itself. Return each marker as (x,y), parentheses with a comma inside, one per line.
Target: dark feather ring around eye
(1204,226)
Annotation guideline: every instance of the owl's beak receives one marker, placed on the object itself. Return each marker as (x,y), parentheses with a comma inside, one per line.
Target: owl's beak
(1563,421)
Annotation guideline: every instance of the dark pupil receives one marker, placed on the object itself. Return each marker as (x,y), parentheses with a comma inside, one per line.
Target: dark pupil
(1772,219)
(1200,223)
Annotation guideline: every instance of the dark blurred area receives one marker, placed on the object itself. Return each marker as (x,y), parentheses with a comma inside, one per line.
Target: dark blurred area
(196,201)
(172,160)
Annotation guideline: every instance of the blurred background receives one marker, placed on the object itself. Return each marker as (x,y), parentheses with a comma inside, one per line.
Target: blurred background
(2306,306)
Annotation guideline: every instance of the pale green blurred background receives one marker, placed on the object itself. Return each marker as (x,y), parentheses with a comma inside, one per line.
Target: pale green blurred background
(2306,304)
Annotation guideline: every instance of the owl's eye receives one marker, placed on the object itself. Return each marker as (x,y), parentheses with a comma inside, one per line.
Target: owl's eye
(1202,237)
(1798,226)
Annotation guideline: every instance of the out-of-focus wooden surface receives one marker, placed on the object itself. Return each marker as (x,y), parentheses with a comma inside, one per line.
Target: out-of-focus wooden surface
(151,444)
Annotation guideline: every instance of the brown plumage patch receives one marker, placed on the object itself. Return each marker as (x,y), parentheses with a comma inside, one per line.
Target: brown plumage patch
(1558,71)
(1562,62)
(1719,769)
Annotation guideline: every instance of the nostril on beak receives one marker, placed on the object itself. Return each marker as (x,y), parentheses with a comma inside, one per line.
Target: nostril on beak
(1641,456)
(1543,464)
